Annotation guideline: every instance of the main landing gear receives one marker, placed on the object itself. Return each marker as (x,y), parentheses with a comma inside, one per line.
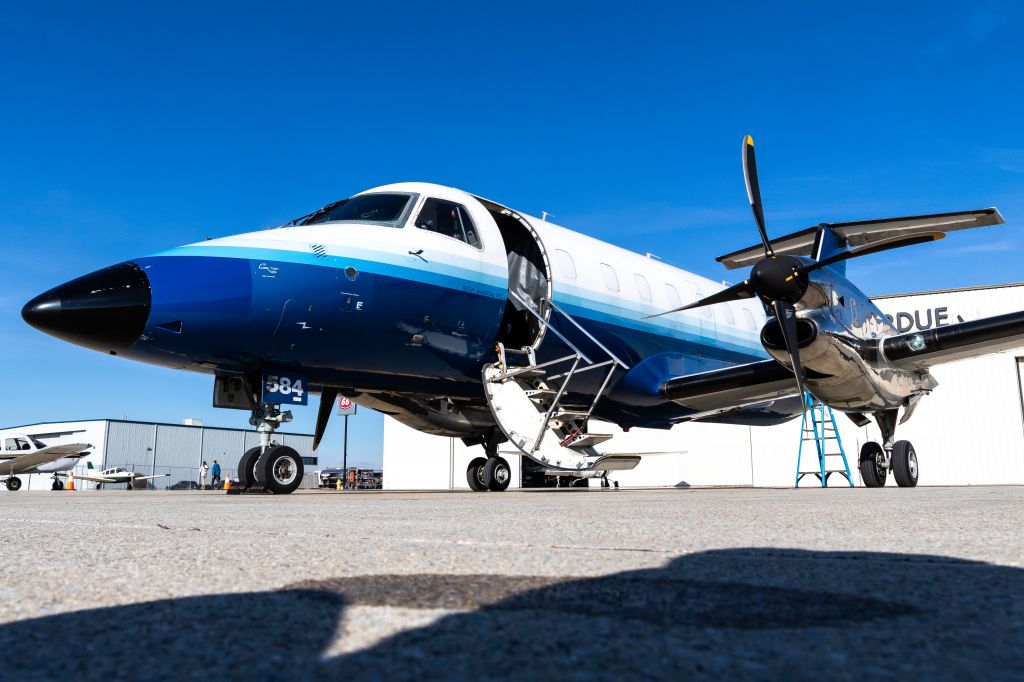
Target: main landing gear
(490,473)
(876,461)
(278,468)
(13,484)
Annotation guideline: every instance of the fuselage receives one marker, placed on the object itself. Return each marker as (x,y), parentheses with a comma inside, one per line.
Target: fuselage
(416,303)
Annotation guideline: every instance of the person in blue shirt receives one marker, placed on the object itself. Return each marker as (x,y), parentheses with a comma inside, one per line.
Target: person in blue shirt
(215,470)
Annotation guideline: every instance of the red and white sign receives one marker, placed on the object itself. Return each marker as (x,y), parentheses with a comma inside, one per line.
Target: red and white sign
(346,406)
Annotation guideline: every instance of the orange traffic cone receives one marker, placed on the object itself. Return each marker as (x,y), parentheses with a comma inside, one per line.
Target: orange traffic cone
(227,483)
(71,481)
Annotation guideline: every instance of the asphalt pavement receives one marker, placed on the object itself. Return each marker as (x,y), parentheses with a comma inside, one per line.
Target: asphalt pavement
(666,584)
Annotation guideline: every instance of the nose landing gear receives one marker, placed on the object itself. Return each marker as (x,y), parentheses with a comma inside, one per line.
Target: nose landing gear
(277,467)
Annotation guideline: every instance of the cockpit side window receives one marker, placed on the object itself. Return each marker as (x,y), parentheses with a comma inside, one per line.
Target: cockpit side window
(448,218)
(378,208)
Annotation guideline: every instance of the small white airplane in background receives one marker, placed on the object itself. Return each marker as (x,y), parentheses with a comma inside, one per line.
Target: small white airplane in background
(114,475)
(23,454)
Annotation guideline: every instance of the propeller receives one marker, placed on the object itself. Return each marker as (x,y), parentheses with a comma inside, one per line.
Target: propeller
(781,280)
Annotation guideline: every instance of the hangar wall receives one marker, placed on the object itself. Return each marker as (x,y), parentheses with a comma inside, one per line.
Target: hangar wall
(970,431)
(156,448)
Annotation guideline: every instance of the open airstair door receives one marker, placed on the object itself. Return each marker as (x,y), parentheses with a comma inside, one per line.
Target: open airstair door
(529,280)
(526,398)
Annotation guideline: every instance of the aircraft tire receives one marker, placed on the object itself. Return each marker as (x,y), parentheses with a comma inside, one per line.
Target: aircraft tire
(280,469)
(246,464)
(475,475)
(497,474)
(904,464)
(869,471)
(14,484)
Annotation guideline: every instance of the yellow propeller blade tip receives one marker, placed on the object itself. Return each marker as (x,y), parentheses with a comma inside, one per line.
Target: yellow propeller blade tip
(750,140)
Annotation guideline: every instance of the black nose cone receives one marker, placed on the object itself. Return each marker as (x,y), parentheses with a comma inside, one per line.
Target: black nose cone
(105,310)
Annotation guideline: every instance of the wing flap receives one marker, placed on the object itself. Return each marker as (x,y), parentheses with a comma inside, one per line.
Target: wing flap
(864,232)
(920,350)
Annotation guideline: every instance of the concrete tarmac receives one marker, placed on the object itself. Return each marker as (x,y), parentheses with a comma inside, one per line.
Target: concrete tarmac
(844,584)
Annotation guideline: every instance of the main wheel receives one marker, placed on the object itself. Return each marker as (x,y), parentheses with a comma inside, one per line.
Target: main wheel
(871,469)
(246,475)
(904,464)
(279,468)
(475,475)
(56,485)
(497,474)
(14,484)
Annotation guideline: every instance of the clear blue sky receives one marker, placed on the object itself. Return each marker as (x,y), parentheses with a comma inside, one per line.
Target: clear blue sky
(131,128)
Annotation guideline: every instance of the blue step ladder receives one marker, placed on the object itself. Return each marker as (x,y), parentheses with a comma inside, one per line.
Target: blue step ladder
(820,428)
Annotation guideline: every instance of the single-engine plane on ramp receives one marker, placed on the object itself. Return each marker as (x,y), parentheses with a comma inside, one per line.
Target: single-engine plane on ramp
(23,454)
(114,475)
(462,317)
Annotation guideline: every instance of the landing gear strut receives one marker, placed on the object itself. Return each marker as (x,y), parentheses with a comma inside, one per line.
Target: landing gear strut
(876,461)
(276,467)
(490,473)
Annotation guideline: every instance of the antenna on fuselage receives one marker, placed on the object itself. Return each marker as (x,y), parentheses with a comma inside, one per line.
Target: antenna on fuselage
(544,215)
(653,256)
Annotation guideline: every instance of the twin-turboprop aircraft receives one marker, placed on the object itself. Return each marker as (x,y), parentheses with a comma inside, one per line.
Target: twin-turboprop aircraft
(461,317)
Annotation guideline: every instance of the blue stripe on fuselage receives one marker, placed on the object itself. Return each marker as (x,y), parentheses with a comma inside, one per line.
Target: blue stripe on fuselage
(731,344)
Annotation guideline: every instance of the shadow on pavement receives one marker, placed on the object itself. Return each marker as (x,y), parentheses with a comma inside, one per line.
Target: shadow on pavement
(744,613)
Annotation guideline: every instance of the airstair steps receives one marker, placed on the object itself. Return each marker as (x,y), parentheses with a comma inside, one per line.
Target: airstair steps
(526,401)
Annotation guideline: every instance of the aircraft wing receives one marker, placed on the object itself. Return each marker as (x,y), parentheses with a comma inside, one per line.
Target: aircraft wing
(39,457)
(864,232)
(732,387)
(920,350)
(94,479)
(146,478)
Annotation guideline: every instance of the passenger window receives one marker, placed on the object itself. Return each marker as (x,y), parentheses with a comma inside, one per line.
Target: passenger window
(729,317)
(698,295)
(448,218)
(9,444)
(611,280)
(566,263)
(673,297)
(749,317)
(643,287)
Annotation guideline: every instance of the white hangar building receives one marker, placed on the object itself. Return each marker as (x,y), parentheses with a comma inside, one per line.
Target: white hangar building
(154,448)
(969,431)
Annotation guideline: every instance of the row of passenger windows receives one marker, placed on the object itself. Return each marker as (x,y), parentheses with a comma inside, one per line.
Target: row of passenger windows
(643,287)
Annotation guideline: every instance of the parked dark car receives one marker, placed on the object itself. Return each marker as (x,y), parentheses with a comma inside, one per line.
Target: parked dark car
(185,485)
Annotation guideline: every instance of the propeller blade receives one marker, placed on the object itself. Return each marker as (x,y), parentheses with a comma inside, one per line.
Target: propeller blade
(733,293)
(327,398)
(754,191)
(877,247)
(786,315)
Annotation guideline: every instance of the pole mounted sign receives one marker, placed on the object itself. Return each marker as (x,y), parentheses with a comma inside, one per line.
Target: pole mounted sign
(346,406)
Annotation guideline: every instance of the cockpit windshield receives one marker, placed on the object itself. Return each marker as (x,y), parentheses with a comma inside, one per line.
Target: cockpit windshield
(388,209)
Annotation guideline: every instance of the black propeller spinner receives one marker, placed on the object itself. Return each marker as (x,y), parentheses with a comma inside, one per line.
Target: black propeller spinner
(780,280)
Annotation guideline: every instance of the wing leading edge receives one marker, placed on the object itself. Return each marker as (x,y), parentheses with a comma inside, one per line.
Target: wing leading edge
(920,350)
(731,387)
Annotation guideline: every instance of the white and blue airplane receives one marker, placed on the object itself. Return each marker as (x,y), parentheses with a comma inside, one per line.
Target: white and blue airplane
(459,316)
